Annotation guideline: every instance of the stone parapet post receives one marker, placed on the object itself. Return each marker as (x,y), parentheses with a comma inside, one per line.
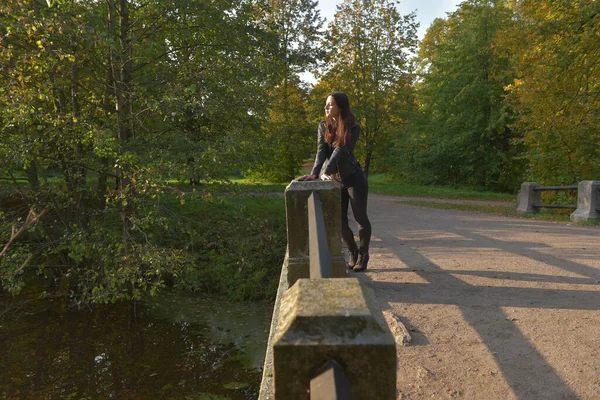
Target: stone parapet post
(296,205)
(528,198)
(333,319)
(588,201)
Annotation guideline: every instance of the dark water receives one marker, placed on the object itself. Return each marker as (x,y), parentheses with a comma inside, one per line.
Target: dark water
(167,347)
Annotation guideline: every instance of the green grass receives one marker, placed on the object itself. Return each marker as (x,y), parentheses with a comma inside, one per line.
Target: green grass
(266,187)
(378,183)
(508,211)
(236,184)
(255,203)
(381,184)
(544,215)
(247,192)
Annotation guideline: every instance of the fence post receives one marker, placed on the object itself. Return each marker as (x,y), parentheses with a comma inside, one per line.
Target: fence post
(333,319)
(588,201)
(296,204)
(529,198)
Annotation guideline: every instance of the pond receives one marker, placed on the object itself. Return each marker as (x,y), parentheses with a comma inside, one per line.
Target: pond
(171,346)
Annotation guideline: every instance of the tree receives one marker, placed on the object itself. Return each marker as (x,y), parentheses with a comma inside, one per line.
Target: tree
(462,133)
(120,92)
(297,26)
(369,44)
(556,91)
(286,139)
(283,142)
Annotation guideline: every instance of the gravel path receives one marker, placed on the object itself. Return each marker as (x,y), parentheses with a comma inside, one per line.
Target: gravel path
(497,307)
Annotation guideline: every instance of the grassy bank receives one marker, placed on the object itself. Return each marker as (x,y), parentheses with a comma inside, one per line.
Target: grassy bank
(227,239)
(381,184)
(236,241)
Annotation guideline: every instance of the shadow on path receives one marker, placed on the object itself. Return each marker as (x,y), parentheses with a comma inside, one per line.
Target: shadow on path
(526,371)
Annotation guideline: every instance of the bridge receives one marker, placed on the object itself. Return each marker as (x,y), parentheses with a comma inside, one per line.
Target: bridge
(496,307)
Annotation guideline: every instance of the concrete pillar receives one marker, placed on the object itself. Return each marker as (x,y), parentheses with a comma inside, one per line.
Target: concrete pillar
(333,319)
(296,197)
(588,201)
(528,197)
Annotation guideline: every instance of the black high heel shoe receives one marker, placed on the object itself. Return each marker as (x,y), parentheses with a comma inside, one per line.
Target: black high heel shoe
(353,259)
(361,262)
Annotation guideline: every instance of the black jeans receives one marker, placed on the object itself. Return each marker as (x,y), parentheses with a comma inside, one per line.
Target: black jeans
(355,190)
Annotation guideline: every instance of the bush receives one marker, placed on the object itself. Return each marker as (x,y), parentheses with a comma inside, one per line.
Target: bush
(236,244)
(232,244)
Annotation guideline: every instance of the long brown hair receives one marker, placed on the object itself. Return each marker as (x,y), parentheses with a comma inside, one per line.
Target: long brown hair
(339,133)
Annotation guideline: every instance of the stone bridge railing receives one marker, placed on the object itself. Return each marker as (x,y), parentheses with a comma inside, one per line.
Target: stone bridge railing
(586,209)
(328,337)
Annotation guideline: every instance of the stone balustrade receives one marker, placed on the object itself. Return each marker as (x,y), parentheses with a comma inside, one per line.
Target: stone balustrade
(296,207)
(588,199)
(320,321)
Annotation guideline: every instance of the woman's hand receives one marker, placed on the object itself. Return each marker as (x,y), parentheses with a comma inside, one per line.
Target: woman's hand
(307,178)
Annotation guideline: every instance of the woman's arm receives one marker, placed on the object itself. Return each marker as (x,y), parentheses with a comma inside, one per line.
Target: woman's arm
(322,150)
(321,156)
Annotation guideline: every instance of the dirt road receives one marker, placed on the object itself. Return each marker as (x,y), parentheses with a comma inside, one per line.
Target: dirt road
(497,307)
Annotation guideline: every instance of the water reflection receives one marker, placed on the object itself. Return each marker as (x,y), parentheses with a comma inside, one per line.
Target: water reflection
(169,347)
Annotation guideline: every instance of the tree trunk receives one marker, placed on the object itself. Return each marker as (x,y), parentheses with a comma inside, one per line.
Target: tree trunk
(124,82)
(109,88)
(79,172)
(123,103)
(32,176)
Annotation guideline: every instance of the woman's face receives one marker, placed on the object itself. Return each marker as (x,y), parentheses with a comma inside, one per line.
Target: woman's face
(331,109)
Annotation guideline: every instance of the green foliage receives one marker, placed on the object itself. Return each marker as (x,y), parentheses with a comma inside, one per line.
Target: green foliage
(469,131)
(285,138)
(100,104)
(297,27)
(555,47)
(368,46)
(278,149)
(462,132)
(14,256)
(103,104)
(86,256)
(231,244)
(237,242)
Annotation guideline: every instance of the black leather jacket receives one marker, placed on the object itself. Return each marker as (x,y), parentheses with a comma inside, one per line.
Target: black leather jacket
(341,160)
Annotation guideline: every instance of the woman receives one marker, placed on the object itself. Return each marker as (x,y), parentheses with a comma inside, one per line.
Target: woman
(338,135)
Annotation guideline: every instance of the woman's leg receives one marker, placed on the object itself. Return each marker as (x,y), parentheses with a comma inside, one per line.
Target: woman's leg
(358,193)
(347,234)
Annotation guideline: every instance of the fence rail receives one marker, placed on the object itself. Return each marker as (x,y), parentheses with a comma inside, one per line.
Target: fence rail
(587,207)
(544,188)
(320,257)
(544,205)
(331,383)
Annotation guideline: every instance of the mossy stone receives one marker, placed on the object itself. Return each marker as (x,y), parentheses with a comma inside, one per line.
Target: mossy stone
(323,319)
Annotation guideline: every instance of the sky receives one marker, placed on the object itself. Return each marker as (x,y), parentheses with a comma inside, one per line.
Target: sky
(426,11)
